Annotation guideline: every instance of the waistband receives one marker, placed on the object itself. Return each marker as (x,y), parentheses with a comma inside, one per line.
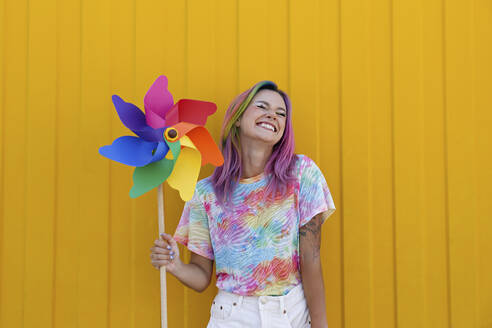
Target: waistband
(274,303)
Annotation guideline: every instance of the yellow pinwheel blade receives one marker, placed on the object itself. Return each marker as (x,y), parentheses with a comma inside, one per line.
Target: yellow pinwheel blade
(186,170)
(186,142)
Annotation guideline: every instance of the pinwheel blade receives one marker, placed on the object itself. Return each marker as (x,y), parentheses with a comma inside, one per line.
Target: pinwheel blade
(191,111)
(202,141)
(134,119)
(150,176)
(157,102)
(185,173)
(205,144)
(134,151)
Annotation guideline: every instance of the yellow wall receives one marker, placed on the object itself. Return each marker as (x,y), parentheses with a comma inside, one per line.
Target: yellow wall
(393,100)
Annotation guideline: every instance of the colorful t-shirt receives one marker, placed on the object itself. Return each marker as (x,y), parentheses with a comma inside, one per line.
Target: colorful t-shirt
(255,244)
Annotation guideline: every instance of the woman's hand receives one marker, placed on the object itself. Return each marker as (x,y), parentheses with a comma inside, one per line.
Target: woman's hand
(196,274)
(165,252)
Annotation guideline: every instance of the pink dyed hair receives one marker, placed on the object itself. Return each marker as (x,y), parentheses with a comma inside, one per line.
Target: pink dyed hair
(279,167)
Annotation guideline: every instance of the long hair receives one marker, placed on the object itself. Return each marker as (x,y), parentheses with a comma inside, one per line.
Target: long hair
(279,167)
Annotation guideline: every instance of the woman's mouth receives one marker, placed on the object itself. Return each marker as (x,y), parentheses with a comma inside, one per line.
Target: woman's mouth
(267,126)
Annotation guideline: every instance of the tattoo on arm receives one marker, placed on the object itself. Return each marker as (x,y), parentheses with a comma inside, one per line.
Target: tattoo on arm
(310,235)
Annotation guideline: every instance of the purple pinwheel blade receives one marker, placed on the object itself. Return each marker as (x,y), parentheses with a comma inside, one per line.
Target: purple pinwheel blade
(134,119)
(157,102)
(134,151)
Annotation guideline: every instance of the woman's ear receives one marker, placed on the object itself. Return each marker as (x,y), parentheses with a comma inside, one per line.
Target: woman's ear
(237,123)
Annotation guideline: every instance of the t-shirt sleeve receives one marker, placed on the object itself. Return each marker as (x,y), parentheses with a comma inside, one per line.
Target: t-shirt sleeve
(314,194)
(192,230)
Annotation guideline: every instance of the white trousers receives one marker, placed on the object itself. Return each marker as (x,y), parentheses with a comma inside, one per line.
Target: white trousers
(231,310)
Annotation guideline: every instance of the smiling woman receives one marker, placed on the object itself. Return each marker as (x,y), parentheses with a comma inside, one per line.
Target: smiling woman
(271,153)
(262,124)
(258,218)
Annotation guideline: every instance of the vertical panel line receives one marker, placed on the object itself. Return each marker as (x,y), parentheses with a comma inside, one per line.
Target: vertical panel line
(237,47)
(340,124)
(445,160)
(2,157)
(289,35)
(2,132)
(81,106)
(132,203)
(393,174)
(317,50)
(110,179)
(370,218)
(26,166)
(55,165)
(474,160)
(421,152)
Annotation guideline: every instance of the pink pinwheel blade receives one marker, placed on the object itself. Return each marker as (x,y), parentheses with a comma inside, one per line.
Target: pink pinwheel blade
(157,102)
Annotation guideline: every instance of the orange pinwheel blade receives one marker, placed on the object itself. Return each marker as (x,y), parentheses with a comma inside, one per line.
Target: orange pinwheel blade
(184,128)
(204,142)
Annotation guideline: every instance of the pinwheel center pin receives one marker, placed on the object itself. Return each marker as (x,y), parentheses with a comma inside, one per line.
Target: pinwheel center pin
(171,134)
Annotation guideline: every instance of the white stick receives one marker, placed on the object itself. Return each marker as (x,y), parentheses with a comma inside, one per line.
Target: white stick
(160,202)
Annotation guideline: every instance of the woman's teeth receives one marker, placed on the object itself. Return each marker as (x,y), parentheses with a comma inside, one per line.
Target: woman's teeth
(267,126)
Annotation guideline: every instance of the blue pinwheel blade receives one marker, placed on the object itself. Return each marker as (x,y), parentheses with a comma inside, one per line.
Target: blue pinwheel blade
(134,151)
(134,119)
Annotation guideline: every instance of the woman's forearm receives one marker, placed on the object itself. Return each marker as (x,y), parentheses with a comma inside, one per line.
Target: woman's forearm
(191,275)
(311,271)
(314,291)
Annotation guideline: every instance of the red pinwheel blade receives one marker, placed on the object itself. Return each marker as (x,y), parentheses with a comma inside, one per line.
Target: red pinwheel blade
(191,111)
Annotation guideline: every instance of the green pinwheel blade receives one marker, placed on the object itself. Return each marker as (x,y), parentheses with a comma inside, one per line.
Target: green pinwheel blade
(148,177)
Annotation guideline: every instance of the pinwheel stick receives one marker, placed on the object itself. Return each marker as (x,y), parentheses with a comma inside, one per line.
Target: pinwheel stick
(160,202)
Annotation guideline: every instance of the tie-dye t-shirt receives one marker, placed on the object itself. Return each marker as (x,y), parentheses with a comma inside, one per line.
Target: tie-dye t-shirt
(255,244)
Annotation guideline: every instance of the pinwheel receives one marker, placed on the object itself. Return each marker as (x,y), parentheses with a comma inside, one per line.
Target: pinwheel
(171,143)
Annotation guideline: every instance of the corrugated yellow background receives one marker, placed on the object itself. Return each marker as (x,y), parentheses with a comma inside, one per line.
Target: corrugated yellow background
(392,99)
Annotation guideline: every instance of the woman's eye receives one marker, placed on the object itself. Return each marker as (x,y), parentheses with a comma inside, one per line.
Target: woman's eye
(281,114)
(260,105)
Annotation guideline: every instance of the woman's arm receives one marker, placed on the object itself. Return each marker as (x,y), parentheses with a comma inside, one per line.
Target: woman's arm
(311,271)
(196,274)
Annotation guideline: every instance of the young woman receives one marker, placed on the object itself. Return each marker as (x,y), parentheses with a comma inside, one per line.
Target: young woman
(259,218)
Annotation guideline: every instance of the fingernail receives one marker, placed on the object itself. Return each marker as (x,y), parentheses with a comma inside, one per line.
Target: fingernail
(172,253)
(172,257)
(168,247)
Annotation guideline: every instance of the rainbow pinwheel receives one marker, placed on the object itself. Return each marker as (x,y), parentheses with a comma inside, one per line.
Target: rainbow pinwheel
(171,143)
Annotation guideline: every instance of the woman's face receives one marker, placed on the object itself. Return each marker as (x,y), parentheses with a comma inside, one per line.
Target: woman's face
(264,119)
